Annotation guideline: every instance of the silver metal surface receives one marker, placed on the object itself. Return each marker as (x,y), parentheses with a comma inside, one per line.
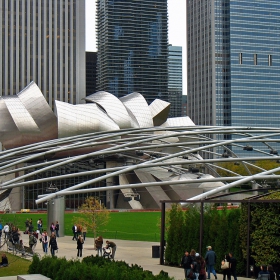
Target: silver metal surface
(83,118)
(113,106)
(138,106)
(35,103)
(159,110)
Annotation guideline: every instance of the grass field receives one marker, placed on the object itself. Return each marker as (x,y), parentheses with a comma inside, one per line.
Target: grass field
(138,226)
(17,265)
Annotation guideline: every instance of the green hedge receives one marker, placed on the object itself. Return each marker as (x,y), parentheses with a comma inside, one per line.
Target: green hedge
(227,231)
(220,230)
(91,267)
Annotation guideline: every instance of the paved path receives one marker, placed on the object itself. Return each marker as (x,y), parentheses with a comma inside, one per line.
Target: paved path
(132,252)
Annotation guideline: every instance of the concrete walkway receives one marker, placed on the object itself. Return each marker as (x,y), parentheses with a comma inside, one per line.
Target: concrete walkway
(132,252)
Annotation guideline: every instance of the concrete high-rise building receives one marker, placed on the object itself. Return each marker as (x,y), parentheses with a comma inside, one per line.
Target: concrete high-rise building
(175,86)
(233,62)
(43,41)
(132,47)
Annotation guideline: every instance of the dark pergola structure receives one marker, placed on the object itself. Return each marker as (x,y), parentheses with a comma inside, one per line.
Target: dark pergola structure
(249,201)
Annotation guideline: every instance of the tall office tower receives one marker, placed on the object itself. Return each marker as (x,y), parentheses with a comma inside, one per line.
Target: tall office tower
(43,41)
(233,62)
(175,80)
(91,59)
(132,47)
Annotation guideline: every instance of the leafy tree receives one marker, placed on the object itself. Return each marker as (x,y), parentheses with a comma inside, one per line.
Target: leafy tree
(93,215)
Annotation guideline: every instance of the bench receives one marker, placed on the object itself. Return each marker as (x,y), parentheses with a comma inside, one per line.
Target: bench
(25,210)
(10,246)
(28,251)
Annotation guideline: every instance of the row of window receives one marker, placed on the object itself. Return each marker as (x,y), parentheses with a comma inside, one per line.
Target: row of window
(255,59)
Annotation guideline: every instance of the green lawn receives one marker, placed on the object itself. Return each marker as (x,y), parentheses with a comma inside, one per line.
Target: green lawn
(139,226)
(17,265)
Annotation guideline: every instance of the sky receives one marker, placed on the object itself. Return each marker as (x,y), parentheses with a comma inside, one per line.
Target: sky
(176,28)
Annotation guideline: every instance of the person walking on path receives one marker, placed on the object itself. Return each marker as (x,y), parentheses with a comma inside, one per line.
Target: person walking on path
(52,228)
(45,241)
(84,232)
(98,245)
(6,230)
(110,244)
(202,265)
(186,263)
(226,271)
(57,229)
(80,243)
(53,244)
(74,230)
(210,259)
(233,264)
(32,240)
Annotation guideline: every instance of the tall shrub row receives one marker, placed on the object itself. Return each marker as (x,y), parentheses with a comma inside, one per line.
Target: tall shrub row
(227,231)
(220,230)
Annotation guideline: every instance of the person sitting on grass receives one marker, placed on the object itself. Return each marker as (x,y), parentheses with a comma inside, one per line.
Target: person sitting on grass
(4,261)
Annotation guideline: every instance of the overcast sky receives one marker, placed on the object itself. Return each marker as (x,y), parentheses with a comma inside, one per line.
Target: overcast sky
(176,28)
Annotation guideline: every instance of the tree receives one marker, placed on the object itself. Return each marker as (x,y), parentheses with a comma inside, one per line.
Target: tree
(93,215)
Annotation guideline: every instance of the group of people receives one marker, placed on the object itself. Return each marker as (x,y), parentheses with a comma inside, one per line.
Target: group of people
(266,272)
(199,268)
(79,230)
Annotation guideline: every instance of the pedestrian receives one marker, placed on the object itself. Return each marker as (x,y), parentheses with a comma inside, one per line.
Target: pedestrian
(263,274)
(15,236)
(41,226)
(79,230)
(186,263)
(113,246)
(45,241)
(6,230)
(57,229)
(1,230)
(272,274)
(210,259)
(233,264)
(26,226)
(226,271)
(52,228)
(53,244)
(98,245)
(30,228)
(84,232)
(196,266)
(4,261)
(202,267)
(32,240)
(80,243)
(74,230)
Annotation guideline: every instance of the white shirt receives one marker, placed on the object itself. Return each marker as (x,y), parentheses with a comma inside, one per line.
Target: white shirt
(6,228)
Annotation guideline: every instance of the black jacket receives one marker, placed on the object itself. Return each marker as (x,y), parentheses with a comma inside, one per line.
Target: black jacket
(186,261)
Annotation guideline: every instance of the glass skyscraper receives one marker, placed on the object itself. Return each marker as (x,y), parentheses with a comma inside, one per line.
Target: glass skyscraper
(233,62)
(175,80)
(132,47)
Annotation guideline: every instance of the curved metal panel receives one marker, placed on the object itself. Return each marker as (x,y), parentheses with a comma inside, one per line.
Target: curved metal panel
(137,104)
(20,115)
(159,110)
(37,106)
(9,132)
(82,118)
(180,121)
(113,106)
